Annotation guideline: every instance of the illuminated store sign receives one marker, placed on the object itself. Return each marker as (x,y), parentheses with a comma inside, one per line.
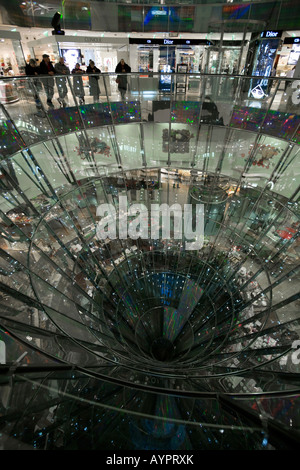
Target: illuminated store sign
(271,34)
(159,12)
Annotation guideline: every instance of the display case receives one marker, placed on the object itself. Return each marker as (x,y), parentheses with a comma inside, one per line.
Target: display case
(181,80)
(145,60)
(194,84)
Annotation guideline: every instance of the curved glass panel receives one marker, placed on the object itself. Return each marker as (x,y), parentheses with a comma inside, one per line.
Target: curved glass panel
(149,266)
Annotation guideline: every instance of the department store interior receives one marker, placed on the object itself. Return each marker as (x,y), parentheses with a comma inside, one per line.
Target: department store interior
(170,337)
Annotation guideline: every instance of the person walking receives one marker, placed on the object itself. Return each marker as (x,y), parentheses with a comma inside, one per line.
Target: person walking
(35,86)
(78,83)
(94,81)
(61,82)
(47,69)
(121,69)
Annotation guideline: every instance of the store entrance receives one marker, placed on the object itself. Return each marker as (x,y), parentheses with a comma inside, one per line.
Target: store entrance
(104,55)
(223,60)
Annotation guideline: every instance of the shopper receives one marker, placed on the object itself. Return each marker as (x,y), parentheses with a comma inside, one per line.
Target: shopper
(34,85)
(78,83)
(94,81)
(61,82)
(122,68)
(31,68)
(47,69)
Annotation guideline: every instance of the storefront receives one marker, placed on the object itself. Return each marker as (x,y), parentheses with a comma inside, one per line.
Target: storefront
(104,51)
(164,55)
(288,56)
(155,54)
(12,63)
(222,55)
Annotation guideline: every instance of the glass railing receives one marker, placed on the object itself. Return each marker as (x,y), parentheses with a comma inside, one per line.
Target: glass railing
(34,108)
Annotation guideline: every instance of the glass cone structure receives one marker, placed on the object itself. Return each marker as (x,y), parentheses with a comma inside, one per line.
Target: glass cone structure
(135,342)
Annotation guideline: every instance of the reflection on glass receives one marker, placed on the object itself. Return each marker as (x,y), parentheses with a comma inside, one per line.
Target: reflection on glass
(136,336)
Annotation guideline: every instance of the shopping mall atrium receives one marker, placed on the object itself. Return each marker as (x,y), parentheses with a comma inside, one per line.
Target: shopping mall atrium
(149,251)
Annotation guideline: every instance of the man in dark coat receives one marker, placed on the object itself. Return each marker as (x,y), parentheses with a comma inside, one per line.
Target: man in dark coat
(122,68)
(47,69)
(94,80)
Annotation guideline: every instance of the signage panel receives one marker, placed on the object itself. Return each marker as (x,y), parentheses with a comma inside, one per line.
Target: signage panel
(170,42)
(271,34)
